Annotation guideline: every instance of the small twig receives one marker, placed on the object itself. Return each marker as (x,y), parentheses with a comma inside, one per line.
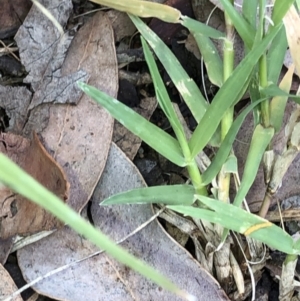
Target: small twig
(8,49)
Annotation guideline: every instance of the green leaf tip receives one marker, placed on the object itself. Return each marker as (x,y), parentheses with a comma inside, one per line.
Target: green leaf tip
(169,195)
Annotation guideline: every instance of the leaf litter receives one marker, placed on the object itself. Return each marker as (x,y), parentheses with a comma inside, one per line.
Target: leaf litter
(7,285)
(46,116)
(63,119)
(107,278)
(75,137)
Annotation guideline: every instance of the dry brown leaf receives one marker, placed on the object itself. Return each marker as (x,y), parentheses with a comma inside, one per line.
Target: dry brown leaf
(37,39)
(12,14)
(36,57)
(18,215)
(122,25)
(103,278)
(7,285)
(5,248)
(292,28)
(79,136)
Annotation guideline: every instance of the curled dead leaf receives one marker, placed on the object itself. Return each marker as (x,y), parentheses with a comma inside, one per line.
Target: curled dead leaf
(17,214)
(7,285)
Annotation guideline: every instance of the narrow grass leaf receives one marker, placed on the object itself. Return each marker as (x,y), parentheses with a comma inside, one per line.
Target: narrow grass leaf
(226,145)
(163,99)
(250,220)
(249,9)
(276,53)
(278,103)
(280,9)
(260,140)
(230,165)
(239,220)
(254,95)
(148,132)
(211,58)
(169,195)
(244,29)
(163,96)
(273,90)
(196,26)
(261,22)
(228,95)
(144,9)
(14,177)
(185,85)
(297,244)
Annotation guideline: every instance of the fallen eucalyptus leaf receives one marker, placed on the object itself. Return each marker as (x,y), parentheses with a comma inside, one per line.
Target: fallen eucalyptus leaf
(77,135)
(102,277)
(7,285)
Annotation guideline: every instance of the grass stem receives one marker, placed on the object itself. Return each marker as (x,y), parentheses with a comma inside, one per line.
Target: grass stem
(227,120)
(263,80)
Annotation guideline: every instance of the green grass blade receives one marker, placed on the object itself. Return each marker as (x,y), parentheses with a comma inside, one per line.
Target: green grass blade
(14,177)
(228,95)
(148,132)
(162,95)
(169,195)
(254,95)
(244,29)
(260,32)
(278,103)
(226,145)
(249,10)
(165,103)
(196,26)
(297,244)
(239,220)
(280,9)
(144,9)
(211,58)
(276,54)
(274,90)
(260,140)
(185,85)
